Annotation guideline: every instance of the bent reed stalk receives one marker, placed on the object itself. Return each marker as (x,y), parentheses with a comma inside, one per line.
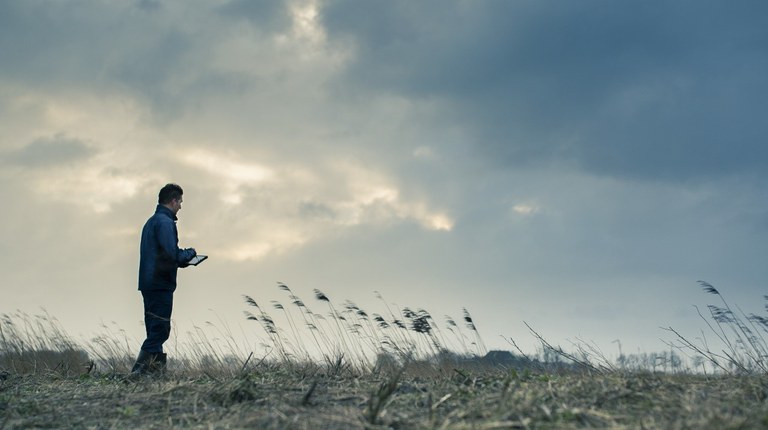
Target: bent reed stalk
(349,338)
(352,334)
(741,337)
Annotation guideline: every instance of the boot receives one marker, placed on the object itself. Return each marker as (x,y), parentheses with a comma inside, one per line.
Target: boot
(158,363)
(142,364)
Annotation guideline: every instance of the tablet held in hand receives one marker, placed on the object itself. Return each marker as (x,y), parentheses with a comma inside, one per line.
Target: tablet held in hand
(197,259)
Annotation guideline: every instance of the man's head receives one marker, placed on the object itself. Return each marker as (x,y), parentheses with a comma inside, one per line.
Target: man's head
(170,197)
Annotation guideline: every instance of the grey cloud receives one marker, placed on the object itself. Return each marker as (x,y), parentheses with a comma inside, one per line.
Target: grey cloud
(144,49)
(47,43)
(316,211)
(638,89)
(635,89)
(50,151)
(265,15)
(149,5)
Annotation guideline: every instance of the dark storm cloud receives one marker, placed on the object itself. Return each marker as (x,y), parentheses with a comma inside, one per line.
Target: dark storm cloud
(90,45)
(48,42)
(668,90)
(48,152)
(145,49)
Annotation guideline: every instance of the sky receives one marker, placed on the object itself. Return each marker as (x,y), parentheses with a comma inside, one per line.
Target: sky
(578,166)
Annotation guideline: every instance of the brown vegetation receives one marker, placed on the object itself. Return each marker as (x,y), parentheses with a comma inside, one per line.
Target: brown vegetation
(381,371)
(278,396)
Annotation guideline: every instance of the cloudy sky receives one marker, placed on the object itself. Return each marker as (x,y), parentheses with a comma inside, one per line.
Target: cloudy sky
(575,165)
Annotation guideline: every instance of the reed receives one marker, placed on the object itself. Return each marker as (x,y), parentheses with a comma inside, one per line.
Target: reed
(351,334)
(350,339)
(38,344)
(735,342)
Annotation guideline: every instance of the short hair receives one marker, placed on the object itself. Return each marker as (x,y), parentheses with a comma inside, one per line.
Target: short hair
(168,193)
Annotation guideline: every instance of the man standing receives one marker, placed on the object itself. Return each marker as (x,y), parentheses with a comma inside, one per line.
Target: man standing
(159,261)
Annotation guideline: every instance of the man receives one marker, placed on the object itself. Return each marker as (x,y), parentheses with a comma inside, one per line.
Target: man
(159,261)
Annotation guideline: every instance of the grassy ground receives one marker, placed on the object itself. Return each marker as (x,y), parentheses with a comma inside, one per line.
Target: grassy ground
(274,396)
(43,382)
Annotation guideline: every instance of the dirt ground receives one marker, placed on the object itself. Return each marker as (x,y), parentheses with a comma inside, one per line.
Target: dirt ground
(279,398)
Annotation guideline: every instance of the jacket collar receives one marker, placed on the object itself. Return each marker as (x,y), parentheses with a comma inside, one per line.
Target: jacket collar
(165,211)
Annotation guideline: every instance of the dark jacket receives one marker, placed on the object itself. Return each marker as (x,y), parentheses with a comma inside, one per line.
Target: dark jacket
(160,254)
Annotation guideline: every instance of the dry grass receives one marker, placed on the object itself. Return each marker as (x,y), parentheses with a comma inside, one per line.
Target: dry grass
(734,342)
(397,370)
(346,331)
(273,396)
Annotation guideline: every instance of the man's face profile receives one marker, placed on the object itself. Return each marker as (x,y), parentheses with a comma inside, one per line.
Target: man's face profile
(175,205)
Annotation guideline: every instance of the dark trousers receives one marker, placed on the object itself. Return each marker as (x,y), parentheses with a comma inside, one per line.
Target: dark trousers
(158,305)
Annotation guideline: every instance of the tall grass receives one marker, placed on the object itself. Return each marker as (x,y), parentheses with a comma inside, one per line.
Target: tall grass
(36,343)
(337,337)
(348,333)
(734,342)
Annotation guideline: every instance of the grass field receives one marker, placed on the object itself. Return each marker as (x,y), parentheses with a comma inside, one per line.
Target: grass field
(411,381)
(309,397)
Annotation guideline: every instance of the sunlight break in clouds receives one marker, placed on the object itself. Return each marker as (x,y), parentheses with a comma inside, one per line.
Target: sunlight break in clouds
(525,209)
(375,200)
(93,187)
(274,242)
(305,23)
(234,173)
(84,150)
(307,203)
(440,222)
(382,204)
